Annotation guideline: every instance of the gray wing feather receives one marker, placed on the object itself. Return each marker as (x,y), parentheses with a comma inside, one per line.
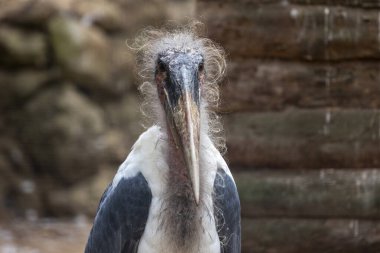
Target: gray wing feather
(121,217)
(227,213)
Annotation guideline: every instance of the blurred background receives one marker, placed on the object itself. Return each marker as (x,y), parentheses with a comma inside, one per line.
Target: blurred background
(300,105)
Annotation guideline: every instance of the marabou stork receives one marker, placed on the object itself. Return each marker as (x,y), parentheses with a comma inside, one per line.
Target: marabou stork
(174,192)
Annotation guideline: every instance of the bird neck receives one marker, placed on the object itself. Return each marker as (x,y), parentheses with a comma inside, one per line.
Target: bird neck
(179,177)
(180,214)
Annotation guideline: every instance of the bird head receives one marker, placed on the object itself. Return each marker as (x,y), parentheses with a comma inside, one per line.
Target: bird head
(180,72)
(179,76)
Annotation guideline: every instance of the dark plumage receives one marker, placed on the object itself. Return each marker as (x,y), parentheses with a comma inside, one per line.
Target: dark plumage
(121,217)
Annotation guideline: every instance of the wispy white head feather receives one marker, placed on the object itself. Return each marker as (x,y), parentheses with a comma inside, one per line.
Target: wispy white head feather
(152,42)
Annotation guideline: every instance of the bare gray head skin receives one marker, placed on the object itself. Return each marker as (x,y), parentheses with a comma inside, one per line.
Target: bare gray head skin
(179,76)
(171,49)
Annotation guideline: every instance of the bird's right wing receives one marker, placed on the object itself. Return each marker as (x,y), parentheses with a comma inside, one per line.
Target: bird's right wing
(121,217)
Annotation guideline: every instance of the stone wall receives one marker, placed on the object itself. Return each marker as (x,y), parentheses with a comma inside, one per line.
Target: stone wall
(69,109)
(301,97)
(301,105)
(310,73)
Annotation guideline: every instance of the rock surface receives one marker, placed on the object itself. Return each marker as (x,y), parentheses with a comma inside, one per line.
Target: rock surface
(64,134)
(304,139)
(297,69)
(69,105)
(81,198)
(18,86)
(22,47)
(53,236)
(301,92)
(272,85)
(310,194)
(312,236)
(80,51)
(301,111)
(293,32)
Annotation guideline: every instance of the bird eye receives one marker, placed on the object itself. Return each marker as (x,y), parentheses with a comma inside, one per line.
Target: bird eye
(201,67)
(161,66)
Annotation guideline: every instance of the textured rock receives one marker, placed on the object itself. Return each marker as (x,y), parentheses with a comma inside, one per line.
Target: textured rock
(304,139)
(302,93)
(351,3)
(19,47)
(126,116)
(81,51)
(321,194)
(123,76)
(17,88)
(139,16)
(27,12)
(311,236)
(64,134)
(266,85)
(49,235)
(68,98)
(293,32)
(7,179)
(105,14)
(180,11)
(18,191)
(82,198)
(12,155)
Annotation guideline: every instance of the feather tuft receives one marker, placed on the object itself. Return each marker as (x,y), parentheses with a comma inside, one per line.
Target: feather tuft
(151,42)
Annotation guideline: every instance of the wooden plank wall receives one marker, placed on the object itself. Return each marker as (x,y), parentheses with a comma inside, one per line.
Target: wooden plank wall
(301,105)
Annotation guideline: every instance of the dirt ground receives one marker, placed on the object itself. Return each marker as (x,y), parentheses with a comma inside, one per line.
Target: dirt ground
(44,236)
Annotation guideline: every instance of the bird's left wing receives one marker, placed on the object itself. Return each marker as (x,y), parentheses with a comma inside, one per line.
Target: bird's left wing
(227,212)
(121,217)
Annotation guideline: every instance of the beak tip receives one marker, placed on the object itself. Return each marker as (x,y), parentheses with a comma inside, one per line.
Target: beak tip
(195,182)
(197,198)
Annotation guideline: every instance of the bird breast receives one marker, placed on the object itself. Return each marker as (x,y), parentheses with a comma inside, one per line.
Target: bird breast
(148,156)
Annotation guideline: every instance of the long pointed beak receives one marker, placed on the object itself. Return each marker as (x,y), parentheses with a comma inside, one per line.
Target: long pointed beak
(185,121)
